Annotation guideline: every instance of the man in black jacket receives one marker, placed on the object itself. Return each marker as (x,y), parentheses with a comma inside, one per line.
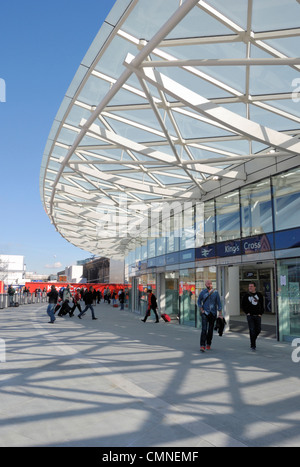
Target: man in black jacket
(253,306)
(53,297)
(88,300)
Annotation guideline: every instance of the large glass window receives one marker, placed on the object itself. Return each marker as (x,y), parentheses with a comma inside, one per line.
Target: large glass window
(286,192)
(289,298)
(144,282)
(187,297)
(161,246)
(172,242)
(209,222)
(172,293)
(256,209)
(187,236)
(151,248)
(228,217)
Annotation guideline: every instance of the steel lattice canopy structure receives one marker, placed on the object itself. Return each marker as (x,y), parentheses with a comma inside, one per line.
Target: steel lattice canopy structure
(175,100)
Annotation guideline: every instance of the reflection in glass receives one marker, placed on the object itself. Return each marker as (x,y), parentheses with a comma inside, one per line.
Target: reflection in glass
(228,217)
(289,298)
(256,209)
(286,199)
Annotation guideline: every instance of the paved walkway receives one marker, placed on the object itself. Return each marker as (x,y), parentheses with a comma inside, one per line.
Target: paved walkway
(120,382)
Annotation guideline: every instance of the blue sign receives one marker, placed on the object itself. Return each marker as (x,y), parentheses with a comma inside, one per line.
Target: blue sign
(258,244)
(161,261)
(287,239)
(206,252)
(151,263)
(229,248)
(172,258)
(187,255)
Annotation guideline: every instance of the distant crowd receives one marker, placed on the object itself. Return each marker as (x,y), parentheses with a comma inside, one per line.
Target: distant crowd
(63,302)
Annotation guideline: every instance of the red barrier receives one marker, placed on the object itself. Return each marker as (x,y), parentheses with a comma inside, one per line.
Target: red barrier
(1,287)
(33,286)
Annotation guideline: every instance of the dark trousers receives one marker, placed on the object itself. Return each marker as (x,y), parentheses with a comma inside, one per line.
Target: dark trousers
(149,314)
(76,305)
(208,323)
(254,323)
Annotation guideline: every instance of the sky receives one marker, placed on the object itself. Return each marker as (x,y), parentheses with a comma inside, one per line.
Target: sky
(42,44)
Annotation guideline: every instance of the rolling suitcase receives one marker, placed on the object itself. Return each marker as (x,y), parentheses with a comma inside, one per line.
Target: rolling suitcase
(166,317)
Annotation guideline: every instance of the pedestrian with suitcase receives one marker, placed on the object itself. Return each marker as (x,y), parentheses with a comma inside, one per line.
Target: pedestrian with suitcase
(152,305)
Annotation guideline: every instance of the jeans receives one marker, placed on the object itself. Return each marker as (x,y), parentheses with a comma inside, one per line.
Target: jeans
(50,311)
(86,308)
(208,323)
(254,323)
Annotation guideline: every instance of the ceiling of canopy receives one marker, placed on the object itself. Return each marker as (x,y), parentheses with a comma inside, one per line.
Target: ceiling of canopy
(175,100)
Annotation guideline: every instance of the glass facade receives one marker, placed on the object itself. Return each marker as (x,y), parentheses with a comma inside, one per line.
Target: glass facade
(286,194)
(256,209)
(288,272)
(258,218)
(228,217)
(187,297)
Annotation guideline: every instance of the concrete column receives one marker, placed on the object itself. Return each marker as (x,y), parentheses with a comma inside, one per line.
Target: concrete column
(232,291)
(161,292)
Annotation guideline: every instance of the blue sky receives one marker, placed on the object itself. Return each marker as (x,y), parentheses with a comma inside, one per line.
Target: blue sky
(41,47)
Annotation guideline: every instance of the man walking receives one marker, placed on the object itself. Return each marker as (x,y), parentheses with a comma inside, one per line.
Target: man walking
(11,292)
(121,299)
(209,303)
(152,305)
(88,300)
(253,307)
(53,297)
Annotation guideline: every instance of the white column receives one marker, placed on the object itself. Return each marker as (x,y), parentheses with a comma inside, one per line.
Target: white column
(232,293)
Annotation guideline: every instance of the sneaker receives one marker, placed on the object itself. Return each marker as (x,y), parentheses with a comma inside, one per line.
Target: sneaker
(94,318)
(202,349)
(208,347)
(79,316)
(253,349)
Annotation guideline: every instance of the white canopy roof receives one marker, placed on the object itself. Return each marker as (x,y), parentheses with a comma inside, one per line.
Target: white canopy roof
(175,100)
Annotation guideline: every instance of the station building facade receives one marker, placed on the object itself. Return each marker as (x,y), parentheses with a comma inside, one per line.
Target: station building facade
(249,234)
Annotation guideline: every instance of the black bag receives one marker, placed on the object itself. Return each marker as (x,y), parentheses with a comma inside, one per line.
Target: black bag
(17,304)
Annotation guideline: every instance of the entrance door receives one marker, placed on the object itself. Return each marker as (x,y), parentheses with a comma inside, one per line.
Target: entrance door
(263,276)
(172,294)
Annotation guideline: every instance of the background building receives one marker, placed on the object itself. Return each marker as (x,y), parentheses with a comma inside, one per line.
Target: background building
(94,270)
(12,269)
(104,271)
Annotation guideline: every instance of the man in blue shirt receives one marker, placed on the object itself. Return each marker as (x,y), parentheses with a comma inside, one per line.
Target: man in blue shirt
(209,303)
